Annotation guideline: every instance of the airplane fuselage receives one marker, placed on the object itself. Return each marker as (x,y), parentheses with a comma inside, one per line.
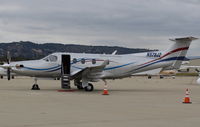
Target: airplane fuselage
(119,65)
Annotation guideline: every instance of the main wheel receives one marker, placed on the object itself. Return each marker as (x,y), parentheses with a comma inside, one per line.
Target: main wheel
(89,88)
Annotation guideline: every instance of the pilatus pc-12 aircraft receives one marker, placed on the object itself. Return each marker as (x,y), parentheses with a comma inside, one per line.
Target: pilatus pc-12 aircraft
(86,68)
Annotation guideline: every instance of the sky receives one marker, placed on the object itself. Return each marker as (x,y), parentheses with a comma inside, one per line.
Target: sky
(128,23)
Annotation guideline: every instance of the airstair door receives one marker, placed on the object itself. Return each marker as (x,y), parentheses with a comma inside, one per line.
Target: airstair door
(65,71)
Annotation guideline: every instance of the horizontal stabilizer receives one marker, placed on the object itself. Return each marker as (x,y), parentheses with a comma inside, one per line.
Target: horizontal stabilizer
(184,39)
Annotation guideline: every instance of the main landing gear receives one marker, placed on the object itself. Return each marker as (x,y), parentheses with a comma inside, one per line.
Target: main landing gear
(87,86)
(35,85)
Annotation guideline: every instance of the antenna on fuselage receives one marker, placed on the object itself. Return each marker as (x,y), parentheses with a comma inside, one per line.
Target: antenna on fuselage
(114,53)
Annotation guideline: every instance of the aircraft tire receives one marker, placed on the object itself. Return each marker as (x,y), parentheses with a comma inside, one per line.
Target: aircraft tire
(89,88)
(35,87)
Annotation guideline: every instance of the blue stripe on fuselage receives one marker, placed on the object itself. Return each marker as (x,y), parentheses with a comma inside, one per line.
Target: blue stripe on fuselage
(40,69)
(110,68)
(168,59)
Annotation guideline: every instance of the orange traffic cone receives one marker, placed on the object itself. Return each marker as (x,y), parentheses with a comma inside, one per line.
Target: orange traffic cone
(105,90)
(187,98)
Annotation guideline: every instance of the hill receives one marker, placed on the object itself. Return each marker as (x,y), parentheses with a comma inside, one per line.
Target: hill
(29,50)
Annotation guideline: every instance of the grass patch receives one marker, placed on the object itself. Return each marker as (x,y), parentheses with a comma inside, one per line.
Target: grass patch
(187,74)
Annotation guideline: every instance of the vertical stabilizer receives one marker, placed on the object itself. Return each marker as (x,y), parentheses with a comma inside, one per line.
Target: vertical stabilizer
(178,51)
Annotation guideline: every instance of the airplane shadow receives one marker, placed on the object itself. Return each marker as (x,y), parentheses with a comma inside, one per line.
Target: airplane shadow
(83,91)
(117,90)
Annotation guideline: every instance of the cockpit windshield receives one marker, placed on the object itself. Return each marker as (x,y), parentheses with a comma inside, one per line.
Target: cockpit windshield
(51,58)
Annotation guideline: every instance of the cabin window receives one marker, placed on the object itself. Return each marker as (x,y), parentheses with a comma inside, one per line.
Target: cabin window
(94,61)
(83,61)
(74,60)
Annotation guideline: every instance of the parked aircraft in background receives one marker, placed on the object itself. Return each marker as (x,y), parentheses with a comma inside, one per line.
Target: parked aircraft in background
(187,67)
(184,67)
(3,72)
(85,68)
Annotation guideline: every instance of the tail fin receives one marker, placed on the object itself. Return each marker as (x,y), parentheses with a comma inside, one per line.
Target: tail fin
(178,51)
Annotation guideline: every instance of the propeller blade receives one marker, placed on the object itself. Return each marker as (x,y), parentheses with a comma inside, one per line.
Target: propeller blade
(8,57)
(8,65)
(8,73)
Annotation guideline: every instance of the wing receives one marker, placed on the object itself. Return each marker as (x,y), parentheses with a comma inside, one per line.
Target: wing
(92,73)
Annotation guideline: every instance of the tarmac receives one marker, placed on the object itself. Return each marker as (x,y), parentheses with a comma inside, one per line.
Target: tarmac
(135,101)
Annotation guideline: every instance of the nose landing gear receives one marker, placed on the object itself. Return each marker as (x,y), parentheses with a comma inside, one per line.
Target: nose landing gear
(35,85)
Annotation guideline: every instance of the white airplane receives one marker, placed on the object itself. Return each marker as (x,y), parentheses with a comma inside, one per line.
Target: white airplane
(3,72)
(184,66)
(86,68)
(187,67)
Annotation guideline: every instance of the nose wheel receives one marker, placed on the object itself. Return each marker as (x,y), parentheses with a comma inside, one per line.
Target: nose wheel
(35,87)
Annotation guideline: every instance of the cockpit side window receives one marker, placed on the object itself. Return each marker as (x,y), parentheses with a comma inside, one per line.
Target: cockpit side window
(51,58)
(46,59)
